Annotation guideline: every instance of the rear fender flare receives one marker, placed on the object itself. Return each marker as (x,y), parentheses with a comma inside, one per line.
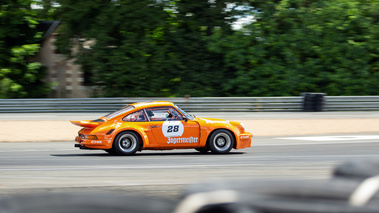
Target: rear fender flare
(143,137)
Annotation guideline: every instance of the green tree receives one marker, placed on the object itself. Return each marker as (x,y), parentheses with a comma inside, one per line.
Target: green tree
(147,48)
(299,46)
(128,53)
(201,71)
(19,77)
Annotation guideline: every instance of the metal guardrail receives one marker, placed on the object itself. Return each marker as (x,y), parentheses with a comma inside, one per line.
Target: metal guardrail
(195,104)
(200,104)
(351,103)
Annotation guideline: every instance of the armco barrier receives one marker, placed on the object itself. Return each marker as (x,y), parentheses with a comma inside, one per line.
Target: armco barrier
(195,104)
(198,104)
(351,103)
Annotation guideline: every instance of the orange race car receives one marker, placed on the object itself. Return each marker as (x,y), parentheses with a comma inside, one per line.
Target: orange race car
(159,125)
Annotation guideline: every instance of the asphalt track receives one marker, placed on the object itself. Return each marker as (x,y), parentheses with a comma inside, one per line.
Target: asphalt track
(59,167)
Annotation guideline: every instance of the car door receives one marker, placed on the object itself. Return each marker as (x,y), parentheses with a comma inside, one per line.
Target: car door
(170,129)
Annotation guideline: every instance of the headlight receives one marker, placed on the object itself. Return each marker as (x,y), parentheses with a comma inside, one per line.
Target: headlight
(243,126)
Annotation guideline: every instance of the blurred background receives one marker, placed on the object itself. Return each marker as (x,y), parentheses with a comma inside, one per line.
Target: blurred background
(177,48)
(257,61)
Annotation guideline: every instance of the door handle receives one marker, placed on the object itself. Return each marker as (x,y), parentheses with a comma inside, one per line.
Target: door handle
(155,126)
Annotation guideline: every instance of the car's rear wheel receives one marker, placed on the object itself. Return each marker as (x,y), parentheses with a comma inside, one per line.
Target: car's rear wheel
(126,143)
(221,141)
(202,149)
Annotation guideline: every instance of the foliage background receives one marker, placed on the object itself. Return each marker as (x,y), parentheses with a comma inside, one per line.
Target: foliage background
(186,47)
(19,78)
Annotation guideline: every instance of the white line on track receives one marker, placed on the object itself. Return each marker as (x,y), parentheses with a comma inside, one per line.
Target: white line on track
(309,157)
(321,140)
(334,138)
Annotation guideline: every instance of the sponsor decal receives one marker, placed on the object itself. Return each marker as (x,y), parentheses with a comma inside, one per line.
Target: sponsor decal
(244,136)
(172,129)
(191,139)
(96,142)
(215,122)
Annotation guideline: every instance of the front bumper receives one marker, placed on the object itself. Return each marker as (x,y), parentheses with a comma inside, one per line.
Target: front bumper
(244,140)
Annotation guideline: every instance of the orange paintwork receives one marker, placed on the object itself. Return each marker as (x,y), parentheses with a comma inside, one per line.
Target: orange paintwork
(157,134)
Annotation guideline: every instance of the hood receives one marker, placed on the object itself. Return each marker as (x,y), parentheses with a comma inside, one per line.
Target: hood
(214,120)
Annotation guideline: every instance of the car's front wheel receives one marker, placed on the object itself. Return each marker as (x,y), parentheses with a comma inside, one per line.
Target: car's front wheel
(110,151)
(221,141)
(126,143)
(202,149)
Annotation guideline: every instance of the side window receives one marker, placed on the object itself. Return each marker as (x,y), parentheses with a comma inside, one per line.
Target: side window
(138,116)
(174,115)
(163,114)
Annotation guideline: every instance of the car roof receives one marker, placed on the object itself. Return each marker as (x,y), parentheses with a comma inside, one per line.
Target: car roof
(152,104)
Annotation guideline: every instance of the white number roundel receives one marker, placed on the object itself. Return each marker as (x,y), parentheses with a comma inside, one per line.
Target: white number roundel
(172,128)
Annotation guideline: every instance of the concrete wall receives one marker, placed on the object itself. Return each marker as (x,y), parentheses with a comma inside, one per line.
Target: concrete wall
(66,76)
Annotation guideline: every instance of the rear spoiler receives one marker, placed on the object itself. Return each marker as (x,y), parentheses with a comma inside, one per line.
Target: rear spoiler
(87,123)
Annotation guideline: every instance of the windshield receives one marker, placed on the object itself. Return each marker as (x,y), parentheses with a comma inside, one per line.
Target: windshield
(188,116)
(119,112)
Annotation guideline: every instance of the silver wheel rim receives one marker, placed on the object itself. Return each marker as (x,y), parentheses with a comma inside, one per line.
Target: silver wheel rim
(127,143)
(222,141)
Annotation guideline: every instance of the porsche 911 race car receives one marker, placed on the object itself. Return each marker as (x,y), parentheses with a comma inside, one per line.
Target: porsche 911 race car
(159,125)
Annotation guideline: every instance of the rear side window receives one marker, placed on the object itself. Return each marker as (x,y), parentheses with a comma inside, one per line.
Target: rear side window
(138,116)
(119,112)
(163,114)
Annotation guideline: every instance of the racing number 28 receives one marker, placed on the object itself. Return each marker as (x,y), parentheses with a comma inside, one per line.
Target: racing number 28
(173,128)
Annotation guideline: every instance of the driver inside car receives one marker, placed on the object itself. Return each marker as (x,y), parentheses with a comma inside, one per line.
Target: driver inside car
(136,116)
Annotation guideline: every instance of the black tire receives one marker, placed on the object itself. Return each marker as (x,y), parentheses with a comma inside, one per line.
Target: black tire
(126,143)
(221,141)
(110,151)
(202,149)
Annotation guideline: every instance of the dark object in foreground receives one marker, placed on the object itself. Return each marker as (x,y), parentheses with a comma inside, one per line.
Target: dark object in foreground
(329,196)
(337,195)
(359,169)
